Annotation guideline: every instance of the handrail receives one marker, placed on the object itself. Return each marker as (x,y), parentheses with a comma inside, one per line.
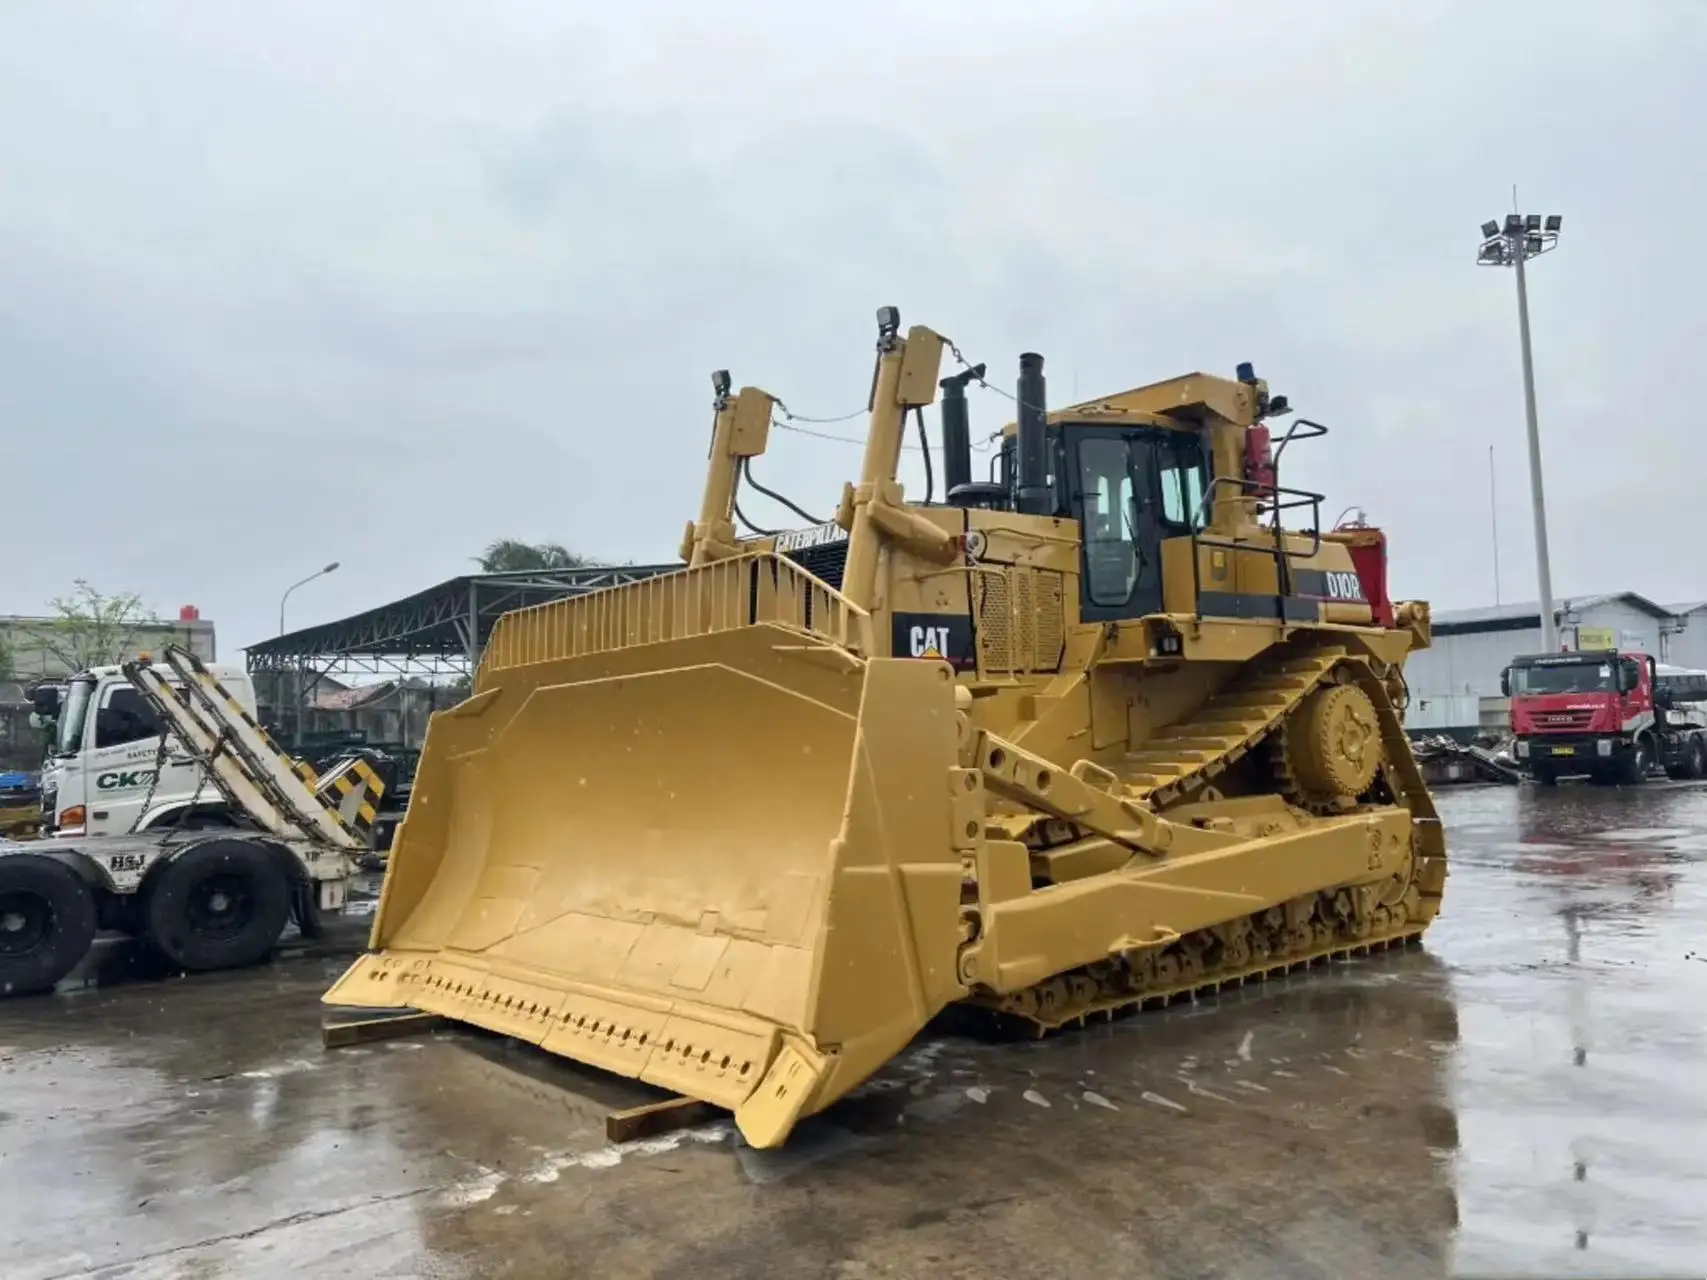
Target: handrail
(723,595)
(1199,517)
(1316,430)
(1281,553)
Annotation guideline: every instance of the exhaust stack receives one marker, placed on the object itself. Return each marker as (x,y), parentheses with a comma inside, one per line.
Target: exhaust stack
(1034,496)
(957,431)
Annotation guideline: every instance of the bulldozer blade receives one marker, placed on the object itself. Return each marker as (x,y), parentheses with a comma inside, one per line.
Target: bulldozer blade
(730,874)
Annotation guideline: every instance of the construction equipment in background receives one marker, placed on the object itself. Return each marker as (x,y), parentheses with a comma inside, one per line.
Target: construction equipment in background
(1095,735)
(205,898)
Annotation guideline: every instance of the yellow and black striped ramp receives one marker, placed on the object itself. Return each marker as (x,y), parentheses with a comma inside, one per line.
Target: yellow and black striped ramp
(352,790)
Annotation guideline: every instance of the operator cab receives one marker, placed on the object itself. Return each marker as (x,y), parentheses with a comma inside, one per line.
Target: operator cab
(1130,489)
(1136,479)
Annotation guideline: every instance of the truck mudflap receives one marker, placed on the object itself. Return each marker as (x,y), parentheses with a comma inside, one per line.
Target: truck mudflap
(718,877)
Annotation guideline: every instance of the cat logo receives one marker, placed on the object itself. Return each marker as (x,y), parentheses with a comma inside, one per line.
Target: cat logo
(938,637)
(928,642)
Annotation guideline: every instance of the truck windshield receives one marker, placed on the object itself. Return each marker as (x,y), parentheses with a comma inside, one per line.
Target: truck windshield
(1565,677)
(78,695)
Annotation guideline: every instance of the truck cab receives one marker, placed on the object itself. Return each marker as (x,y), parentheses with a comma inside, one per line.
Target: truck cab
(1611,716)
(111,770)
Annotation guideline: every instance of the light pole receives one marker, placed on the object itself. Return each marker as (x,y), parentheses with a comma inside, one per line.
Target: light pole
(318,573)
(297,699)
(1526,236)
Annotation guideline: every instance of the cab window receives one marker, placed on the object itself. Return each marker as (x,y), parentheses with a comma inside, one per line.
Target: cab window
(72,715)
(1111,562)
(125,716)
(1180,462)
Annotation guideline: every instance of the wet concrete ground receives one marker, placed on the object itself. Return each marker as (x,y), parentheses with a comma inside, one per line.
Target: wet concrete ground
(1524,1096)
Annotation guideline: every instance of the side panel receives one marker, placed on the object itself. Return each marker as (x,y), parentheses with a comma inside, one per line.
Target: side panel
(1243,582)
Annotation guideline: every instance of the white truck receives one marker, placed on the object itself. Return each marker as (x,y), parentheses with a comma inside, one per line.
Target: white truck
(114,769)
(205,897)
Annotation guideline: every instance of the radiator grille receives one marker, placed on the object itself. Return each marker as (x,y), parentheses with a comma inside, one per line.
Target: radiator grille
(825,563)
(1020,622)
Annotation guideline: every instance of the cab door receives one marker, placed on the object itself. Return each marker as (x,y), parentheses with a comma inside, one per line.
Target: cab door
(1113,494)
(120,761)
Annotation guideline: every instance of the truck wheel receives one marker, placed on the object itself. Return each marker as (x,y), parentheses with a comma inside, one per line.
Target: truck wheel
(47,922)
(1635,766)
(218,905)
(1697,757)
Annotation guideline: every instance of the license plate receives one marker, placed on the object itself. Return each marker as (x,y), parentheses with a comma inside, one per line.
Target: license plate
(1564,751)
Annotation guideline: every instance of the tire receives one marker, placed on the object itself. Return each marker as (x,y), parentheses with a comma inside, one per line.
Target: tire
(1697,758)
(47,922)
(1682,764)
(219,905)
(1634,768)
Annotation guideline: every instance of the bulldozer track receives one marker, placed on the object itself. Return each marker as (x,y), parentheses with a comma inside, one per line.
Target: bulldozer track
(1186,756)
(1331,924)
(1084,996)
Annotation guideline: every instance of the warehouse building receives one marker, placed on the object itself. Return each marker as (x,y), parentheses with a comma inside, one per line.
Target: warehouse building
(33,649)
(1455,684)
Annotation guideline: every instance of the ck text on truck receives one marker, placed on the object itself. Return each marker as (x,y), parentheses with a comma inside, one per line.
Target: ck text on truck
(1615,717)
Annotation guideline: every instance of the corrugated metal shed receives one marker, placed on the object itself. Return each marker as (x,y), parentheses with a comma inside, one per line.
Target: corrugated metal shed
(1687,644)
(1527,613)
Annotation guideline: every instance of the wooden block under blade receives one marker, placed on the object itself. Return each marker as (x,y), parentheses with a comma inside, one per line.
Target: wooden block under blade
(343,1034)
(657,1117)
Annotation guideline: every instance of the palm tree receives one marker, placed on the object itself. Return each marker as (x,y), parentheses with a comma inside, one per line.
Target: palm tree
(508,555)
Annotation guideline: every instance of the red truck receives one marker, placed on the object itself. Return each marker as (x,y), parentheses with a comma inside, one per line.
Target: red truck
(1613,716)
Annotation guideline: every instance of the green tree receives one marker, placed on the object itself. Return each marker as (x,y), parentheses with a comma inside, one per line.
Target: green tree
(508,555)
(8,660)
(91,629)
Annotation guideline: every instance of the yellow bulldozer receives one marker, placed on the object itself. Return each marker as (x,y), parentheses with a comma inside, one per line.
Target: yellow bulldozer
(1096,733)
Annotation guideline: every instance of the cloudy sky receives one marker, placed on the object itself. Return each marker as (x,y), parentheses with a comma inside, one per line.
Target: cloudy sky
(382,282)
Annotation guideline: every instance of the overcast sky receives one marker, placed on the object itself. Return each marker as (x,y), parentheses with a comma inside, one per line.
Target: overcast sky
(381,282)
